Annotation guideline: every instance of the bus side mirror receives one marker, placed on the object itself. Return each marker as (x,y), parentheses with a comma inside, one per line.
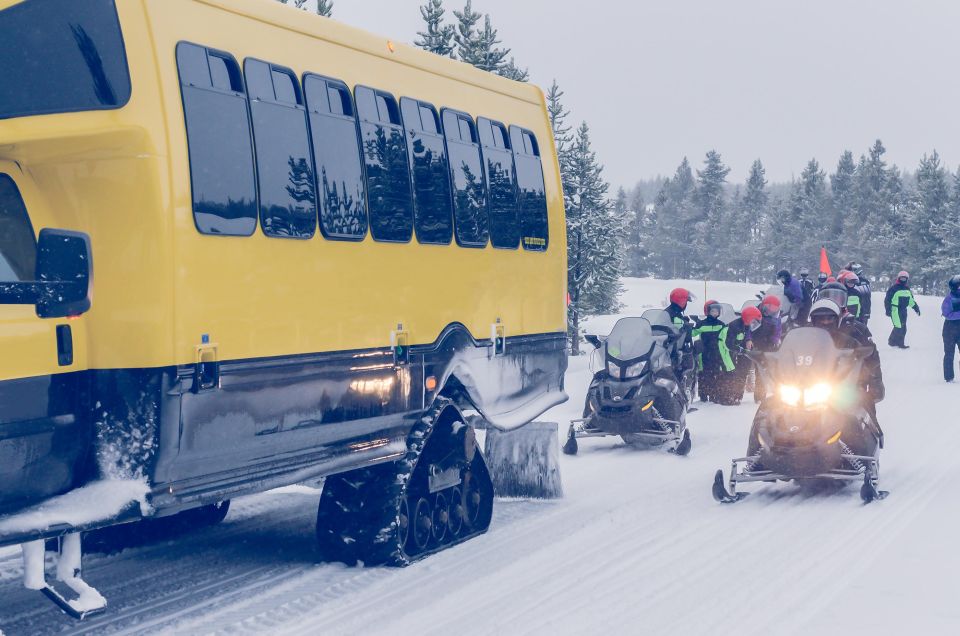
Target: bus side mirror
(64,273)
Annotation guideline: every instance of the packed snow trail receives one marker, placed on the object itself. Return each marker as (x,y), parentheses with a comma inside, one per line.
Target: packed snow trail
(636,545)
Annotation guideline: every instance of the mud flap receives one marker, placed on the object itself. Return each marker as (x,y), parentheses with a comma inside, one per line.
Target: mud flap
(525,462)
(79,600)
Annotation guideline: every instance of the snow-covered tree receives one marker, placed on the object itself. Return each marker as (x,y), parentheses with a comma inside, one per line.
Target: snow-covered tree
(712,233)
(438,37)
(325,8)
(594,237)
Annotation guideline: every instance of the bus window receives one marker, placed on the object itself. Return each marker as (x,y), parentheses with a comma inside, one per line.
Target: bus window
(18,248)
(469,189)
(287,188)
(430,171)
(385,155)
(531,192)
(336,153)
(222,175)
(501,184)
(61,56)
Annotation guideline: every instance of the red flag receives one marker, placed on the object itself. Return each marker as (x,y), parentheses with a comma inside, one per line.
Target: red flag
(825,262)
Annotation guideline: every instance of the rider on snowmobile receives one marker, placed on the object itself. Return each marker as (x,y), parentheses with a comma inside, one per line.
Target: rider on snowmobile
(849,333)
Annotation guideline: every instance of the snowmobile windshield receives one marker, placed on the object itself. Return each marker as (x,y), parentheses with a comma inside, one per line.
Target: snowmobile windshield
(807,356)
(660,320)
(631,338)
(750,303)
(837,295)
(727,313)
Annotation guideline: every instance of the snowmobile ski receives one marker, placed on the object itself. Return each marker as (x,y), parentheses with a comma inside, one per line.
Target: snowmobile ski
(720,492)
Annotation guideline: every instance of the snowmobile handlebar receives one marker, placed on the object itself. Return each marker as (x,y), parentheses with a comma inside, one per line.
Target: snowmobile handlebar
(594,340)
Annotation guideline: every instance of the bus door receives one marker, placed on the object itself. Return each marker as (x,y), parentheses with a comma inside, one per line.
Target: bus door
(44,444)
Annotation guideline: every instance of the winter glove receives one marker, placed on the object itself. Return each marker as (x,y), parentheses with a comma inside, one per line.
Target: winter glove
(917,309)
(888,313)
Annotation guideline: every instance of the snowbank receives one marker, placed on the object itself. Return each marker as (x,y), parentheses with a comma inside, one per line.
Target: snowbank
(95,502)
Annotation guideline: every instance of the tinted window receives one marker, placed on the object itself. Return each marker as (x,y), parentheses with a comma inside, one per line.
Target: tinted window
(284,165)
(501,185)
(336,151)
(385,155)
(218,136)
(61,56)
(431,173)
(531,192)
(18,248)
(469,189)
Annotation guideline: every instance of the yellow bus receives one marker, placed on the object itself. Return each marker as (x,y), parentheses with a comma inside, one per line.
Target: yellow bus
(242,246)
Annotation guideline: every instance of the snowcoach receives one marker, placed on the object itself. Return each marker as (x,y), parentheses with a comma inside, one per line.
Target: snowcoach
(242,247)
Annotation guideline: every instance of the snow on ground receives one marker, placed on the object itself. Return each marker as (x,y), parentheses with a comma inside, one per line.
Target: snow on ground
(636,546)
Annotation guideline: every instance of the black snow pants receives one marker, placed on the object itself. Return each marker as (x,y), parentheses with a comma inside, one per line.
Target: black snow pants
(951,341)
(732,383)
(899,332)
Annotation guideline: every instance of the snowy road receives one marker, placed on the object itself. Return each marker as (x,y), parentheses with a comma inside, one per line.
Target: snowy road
(636,546)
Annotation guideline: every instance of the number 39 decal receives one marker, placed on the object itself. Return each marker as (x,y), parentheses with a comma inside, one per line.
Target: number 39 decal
(804,361)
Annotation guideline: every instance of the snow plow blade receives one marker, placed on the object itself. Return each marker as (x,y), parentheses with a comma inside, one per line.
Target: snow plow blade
(524,462)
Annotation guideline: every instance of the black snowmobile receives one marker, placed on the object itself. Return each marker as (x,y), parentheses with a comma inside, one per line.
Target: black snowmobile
(637,394)
(813,424)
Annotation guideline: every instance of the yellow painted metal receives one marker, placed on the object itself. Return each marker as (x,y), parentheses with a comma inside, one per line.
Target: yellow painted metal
(123,177)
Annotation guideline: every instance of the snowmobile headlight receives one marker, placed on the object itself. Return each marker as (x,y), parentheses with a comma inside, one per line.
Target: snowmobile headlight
(613,369)
(635,370)
(790,395)
(817,395)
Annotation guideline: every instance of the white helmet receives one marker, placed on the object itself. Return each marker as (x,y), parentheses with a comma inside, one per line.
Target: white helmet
(822,309)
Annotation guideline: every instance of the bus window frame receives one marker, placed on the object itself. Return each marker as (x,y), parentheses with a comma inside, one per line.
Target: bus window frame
(406,163)
(478,144)
(513,164)
(352,238)
(208,50)
(301,106)
(446,157)
(543,178)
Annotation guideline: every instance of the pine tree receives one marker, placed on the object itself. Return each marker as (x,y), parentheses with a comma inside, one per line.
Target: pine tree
(639,227)
(510,70)
(674,211)
(711,231)
(842,205)
(465,35)
(594,238)
(947,253)
(927,211)
(438,37)
(325,8)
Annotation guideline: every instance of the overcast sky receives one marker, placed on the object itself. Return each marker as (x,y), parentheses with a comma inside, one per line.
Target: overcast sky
(781,80)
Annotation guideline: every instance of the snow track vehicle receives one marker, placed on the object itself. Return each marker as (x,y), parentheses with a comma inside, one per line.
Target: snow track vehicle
(814,424)
(314,250)
(636,395)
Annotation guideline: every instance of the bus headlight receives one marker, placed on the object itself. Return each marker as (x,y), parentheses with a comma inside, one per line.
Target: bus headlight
(790,395)
(817,395)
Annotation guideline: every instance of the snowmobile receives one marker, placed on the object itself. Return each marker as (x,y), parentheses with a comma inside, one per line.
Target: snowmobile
(812,425)
(637,395)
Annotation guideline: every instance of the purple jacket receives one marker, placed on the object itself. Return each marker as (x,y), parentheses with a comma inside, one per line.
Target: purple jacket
(951,307)
(793,291)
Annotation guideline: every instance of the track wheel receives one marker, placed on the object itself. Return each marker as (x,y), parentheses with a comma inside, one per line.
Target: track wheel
(422,530)
(455,513)
(403,522)
(441,518)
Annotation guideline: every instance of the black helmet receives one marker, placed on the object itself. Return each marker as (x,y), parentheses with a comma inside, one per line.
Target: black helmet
(954,283)
(857,269)
(783,274)
(822,277)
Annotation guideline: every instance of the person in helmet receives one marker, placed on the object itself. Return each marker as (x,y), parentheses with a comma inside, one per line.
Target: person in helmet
(849,333)
(951,327)
(806,287)
(767,337)
(682,358)
(898,300)
(856,293)
(792,290)
(733,339)
(865,291)
(710,364)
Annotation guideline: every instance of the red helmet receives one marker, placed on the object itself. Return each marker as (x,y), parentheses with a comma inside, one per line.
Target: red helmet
(749,314)
(847,277)
(904,275)
(706,306)
(680,297)
(771,304)
(831,279)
